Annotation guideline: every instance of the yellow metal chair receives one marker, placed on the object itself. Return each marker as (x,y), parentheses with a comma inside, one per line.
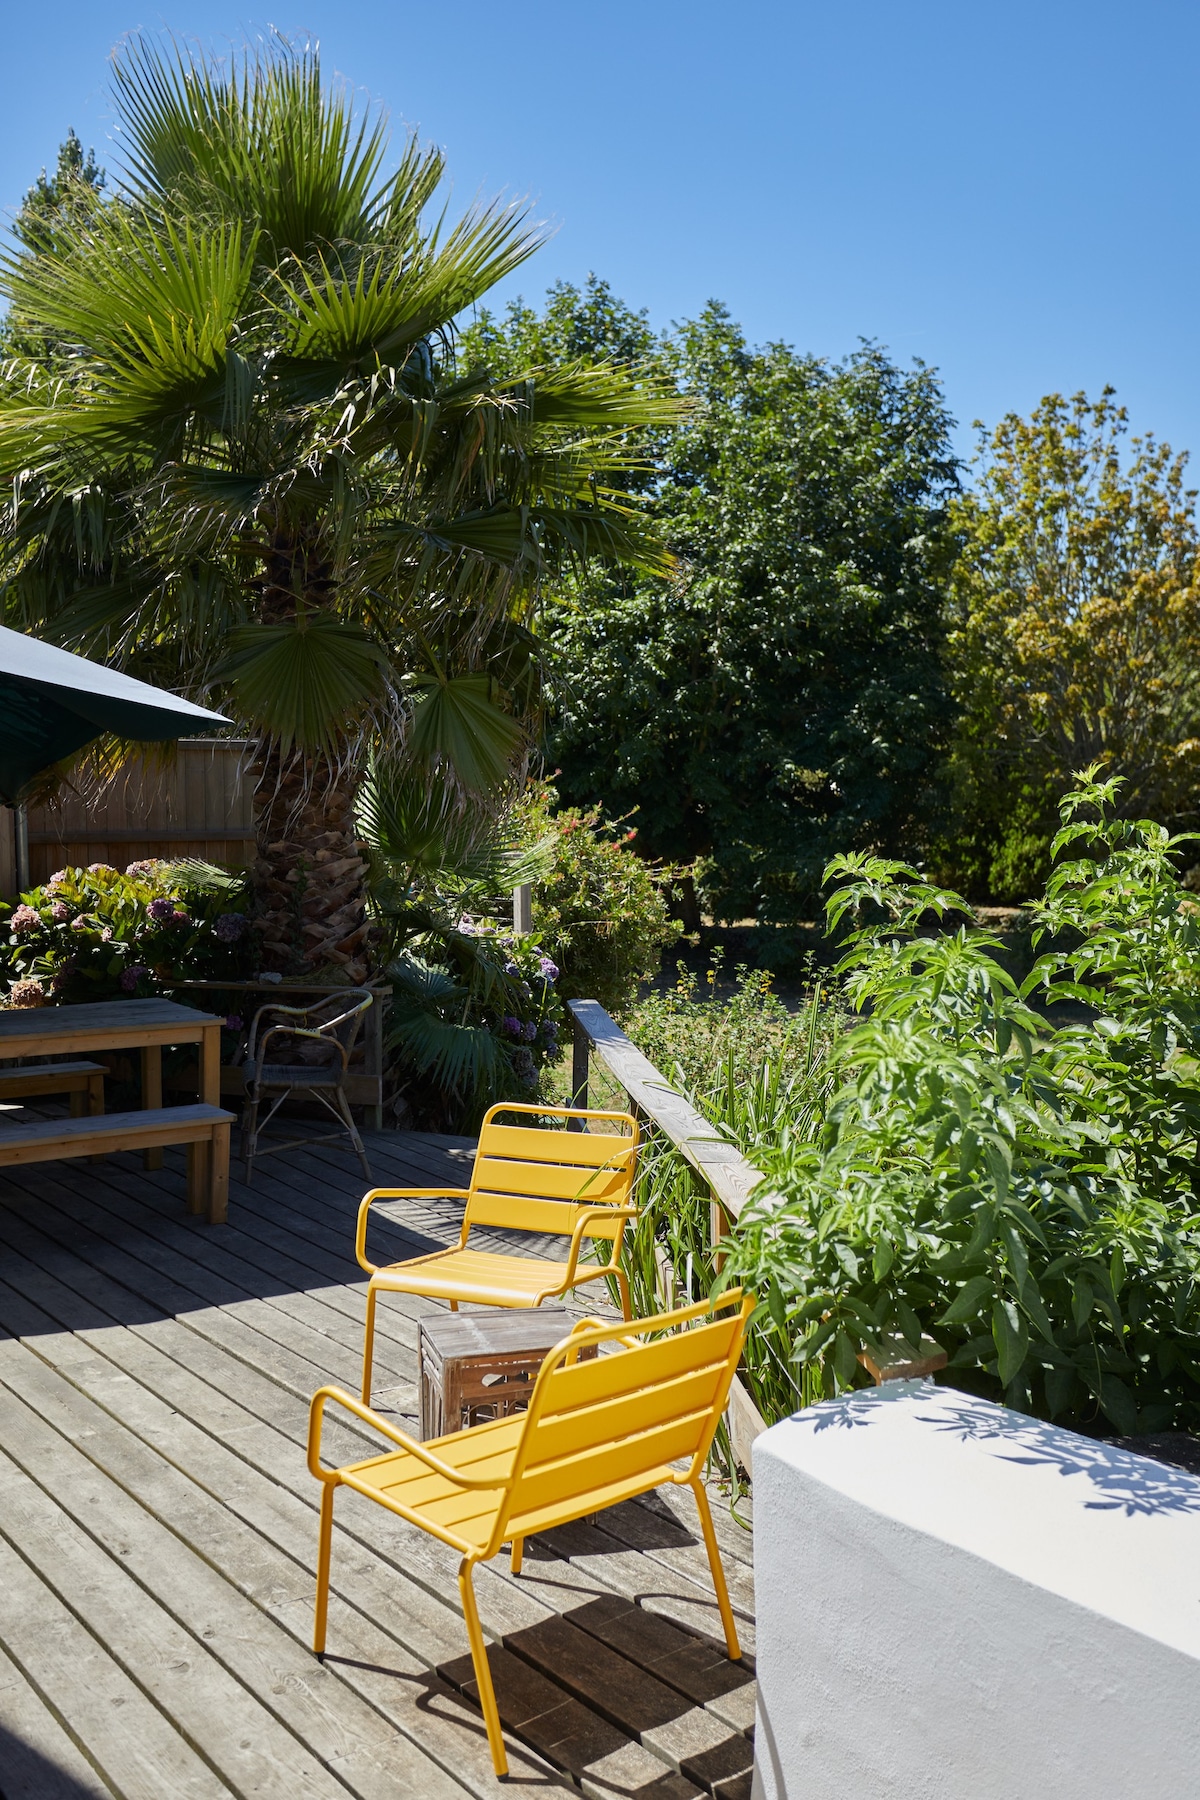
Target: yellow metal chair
(597,1431)
(574,1183)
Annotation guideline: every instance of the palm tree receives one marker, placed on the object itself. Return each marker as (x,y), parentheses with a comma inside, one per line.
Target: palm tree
(247,462)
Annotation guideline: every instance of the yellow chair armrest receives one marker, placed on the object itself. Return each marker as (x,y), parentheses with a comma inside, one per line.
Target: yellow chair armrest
(405,1193)
(316,1417)
(581,1225)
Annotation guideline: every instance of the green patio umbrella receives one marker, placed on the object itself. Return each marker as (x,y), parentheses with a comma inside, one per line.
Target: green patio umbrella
(53,703)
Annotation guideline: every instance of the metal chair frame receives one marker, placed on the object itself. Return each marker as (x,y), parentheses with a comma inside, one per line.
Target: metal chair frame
(598,1431)
(339,1036)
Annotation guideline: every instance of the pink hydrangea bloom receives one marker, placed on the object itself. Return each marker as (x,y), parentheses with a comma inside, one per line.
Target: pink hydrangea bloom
(25,919)
(60,912)
(26,993)
(101,869)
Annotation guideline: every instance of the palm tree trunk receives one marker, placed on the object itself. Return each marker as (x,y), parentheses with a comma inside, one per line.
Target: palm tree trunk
(310,874)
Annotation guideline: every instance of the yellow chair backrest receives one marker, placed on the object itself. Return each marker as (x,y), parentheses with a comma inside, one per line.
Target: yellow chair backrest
(598,1429)
(528,1178)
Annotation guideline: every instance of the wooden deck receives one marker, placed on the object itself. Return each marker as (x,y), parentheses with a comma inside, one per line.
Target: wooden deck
(158,1528)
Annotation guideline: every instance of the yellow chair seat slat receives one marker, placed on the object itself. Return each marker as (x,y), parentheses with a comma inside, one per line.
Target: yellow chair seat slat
(598,1430)
(549,1181)
(481,1277)
(581,1149)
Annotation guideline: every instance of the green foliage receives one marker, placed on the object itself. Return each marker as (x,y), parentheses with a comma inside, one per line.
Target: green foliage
(241,455)
(781,697)
(475,1016)
(599,909)
(98,934)
(1076,603)
(1023,1192)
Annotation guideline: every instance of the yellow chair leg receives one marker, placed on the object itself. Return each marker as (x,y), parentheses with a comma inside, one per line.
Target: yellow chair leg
(369,1345)
(483,1674)
(718,1573)
(323,1550)
(623,1285)
(518,1546)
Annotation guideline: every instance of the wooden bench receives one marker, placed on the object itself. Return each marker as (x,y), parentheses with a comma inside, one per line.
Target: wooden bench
(204,1129)
(83,1081)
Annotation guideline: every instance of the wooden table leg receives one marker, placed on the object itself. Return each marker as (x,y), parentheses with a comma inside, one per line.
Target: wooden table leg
(218,1192)
(199,1176)
(210,1065)
(152,1096)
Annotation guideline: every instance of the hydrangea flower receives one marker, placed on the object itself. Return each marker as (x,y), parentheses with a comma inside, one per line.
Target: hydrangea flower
(547,969)
(229,927)
(523,1066)
(81,922)
(58,878)
(179,917)
(60,912)
(26,993)
(106,934)
(139,870)
(132,975)
(101,869)
(530,1030)
(60,981)
(550,1030)
(161,910)
(25,918)
(511,1025)
(233,1022)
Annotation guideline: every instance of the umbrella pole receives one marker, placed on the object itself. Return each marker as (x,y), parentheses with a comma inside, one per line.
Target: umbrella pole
(21,846)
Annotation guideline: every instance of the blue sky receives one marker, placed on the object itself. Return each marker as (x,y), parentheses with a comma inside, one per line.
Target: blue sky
(1008,191)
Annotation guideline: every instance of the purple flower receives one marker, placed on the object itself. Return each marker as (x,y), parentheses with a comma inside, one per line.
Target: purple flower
(60,981)
(548,969)
(511,968)
(511,1025)
(60,912)
(550,1030)
(161,910)
(529,1030)
(132,975)
(229,927)
(179,917)
(523,1066)
(233,1022)
(25,918)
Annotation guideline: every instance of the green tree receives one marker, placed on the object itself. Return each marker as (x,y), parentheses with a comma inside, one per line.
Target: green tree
(255,468)
(1076,636)
(75,185)
(781,696)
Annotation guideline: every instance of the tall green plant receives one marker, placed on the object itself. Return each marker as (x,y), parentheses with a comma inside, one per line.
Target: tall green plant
(247,459)
(1024,1191)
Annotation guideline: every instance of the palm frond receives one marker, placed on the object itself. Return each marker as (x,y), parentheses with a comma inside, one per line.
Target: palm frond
(304,683)
(457,725)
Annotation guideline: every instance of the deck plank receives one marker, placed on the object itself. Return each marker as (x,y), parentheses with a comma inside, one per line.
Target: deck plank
(155,1374)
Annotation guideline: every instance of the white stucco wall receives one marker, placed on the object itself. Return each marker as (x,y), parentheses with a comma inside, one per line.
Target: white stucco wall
(959,1603)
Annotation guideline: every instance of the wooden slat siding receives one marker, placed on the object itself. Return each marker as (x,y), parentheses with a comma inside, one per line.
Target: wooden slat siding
(200,803)
(729,1177)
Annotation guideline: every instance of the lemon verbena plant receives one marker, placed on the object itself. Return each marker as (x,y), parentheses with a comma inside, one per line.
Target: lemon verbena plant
(1019,1184)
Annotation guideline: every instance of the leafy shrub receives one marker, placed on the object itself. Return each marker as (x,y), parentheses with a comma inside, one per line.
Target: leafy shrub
(1026,1193)
(599,909)
(98,934)
(475,1019)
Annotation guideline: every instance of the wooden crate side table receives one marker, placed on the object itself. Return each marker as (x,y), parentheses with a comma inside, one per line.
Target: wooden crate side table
(475,1366)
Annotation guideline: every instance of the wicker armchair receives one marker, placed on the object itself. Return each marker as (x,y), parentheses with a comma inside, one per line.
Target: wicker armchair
(305,1051)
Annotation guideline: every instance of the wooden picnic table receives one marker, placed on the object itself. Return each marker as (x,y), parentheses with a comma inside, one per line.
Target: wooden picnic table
(144,1025)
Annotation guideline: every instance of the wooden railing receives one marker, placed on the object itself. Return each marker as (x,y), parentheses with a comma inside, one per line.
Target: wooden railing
(725,1172)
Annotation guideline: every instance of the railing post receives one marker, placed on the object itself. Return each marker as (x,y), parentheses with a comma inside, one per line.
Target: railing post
(523,909)
(580,1047)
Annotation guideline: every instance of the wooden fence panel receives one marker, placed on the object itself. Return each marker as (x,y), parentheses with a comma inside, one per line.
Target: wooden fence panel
(196,803)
